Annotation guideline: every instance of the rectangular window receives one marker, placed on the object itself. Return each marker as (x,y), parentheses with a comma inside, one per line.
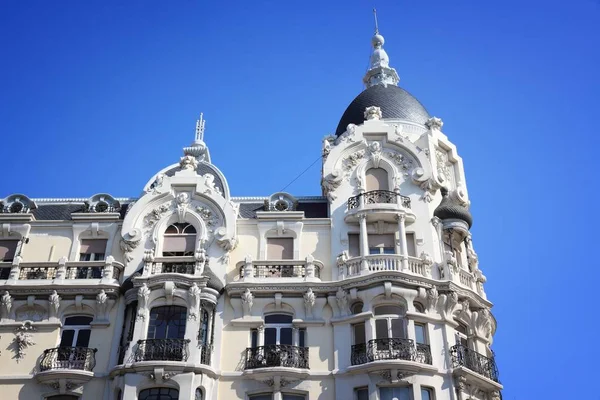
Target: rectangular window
(280,248)
(287,396)
(7,250)
(427,394)
(420,333)
(302,337)
(394,393)
(92,249)
(267,396)
(381,244)
(359,333)
(361,393)
(397,328)
(381,329)
(254,338)
(175,245)
(353,244)
(410,243)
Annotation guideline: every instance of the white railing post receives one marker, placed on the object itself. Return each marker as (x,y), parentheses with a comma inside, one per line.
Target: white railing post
(248,268)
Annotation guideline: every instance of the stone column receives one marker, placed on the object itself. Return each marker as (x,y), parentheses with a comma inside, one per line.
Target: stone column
(402,236)
(261,335)
(295,336)
(364,243)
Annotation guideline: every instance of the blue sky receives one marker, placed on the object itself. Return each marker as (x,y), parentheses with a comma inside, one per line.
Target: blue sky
(96,96)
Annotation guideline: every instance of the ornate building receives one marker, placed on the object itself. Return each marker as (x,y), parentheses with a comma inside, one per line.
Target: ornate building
(372,291)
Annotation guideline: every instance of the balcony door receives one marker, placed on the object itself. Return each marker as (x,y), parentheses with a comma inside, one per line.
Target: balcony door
(280,248)
(166,332)
(390,333)
(376,179)
(74,340)
(278,329)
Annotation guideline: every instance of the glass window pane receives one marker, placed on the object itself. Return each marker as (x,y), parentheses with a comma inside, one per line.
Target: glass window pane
(293,397)
(159,394)
(394,393)
(362,394)
(359,333)
(357,308)
(278,319)
(285,336)
(426,394)
(270,336)
(381,329)
(83,338)
(389,250)
(398,328)
(302,337)
(78,320)
(66,339)
(261,397)
(389,310)
(254,338)
(374,250)
(420,333)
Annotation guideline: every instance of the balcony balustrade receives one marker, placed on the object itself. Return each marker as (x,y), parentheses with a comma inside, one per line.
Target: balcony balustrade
(384,262)
(378,197)
(188,265)
(280,269)
(205,354)
(162,350)
(277,355)
(61,270)
(462,356)
(390,349)
(68,358)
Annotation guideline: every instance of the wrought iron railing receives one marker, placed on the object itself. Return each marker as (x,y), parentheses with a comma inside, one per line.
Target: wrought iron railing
(390,349)
(79,358)
(205,354)
(162,350)
(5,273)
(378,197)
(179,268)
(462,356)
(277,355)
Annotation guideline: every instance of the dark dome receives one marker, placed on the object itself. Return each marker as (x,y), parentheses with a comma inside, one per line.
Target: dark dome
(449,209)
(394,102)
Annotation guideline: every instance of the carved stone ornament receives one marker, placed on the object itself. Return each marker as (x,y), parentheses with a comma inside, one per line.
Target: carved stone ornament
(101,305)
(17,204)
(101,203)
(404,162)
(327,143)
(341,298)
(6,303)
(54,303)
(495,395)
(143,295)
(130,243)
(247,301)
(156,214)
(330,183)
(352,161)
(194,301)
(23,339)
(445,169)
(188,163)
(373,112)
(342,258)
(309,302)
(448,304)
(182,201)
(434,123)
(157,184)
(432,298)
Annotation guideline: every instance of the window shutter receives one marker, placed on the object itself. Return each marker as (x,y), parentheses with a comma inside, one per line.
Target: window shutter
(376,179)
(179,243)
(410,242)
(381,241)
(7,249)
(96,246)
(280,248)
(353,245)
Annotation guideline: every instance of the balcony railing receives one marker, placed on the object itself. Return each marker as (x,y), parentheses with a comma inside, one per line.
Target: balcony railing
(464,357)
(383,262)
(378,197)
(205,354)
(277,355)
(390,349)
(280,269)
(61,270)
(178,268)
(188,265)
(78,358)
(162,350)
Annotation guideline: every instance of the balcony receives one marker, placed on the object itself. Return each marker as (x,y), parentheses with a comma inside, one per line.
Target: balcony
(78,358)
(280,269)
(379,205)
(384,262)
(188,265)
(72,363)
(472,360)
(390,349)
(277,355)
(89,270)
(162,350)
(378,197)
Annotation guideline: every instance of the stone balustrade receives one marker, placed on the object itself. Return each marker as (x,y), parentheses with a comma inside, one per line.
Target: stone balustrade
(61,270)
(308,268)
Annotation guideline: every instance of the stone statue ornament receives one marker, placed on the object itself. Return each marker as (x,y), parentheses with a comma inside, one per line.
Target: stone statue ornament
(309,302)
(247,301)
(342,301)
(143,295)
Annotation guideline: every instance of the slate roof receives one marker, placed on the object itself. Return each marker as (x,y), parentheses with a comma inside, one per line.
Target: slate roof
(395,103)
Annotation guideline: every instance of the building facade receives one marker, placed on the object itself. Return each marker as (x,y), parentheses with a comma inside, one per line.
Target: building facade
(371,291)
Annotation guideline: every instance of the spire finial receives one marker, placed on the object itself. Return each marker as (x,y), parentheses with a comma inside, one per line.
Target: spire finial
(200,128)
(380,72)
(376,24)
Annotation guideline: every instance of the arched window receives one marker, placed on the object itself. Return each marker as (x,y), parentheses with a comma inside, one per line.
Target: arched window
(376,179)
(278,329)
(389,322)
(179,240)
(357,307)
(161,393)
(199,395)
(63,397)
(167,322)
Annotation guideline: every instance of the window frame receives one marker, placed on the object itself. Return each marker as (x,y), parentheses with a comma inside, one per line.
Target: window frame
(278,326)
(388,318)
(181,232)
(76,329)
(358,389)
(425,332)
(429,390)
(183,311)
(169,388)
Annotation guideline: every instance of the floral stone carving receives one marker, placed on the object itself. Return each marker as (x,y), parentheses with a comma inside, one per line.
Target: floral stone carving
(23,339)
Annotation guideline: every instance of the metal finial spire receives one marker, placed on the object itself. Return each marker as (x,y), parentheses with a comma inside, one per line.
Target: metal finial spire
(376,24)
(200,128)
